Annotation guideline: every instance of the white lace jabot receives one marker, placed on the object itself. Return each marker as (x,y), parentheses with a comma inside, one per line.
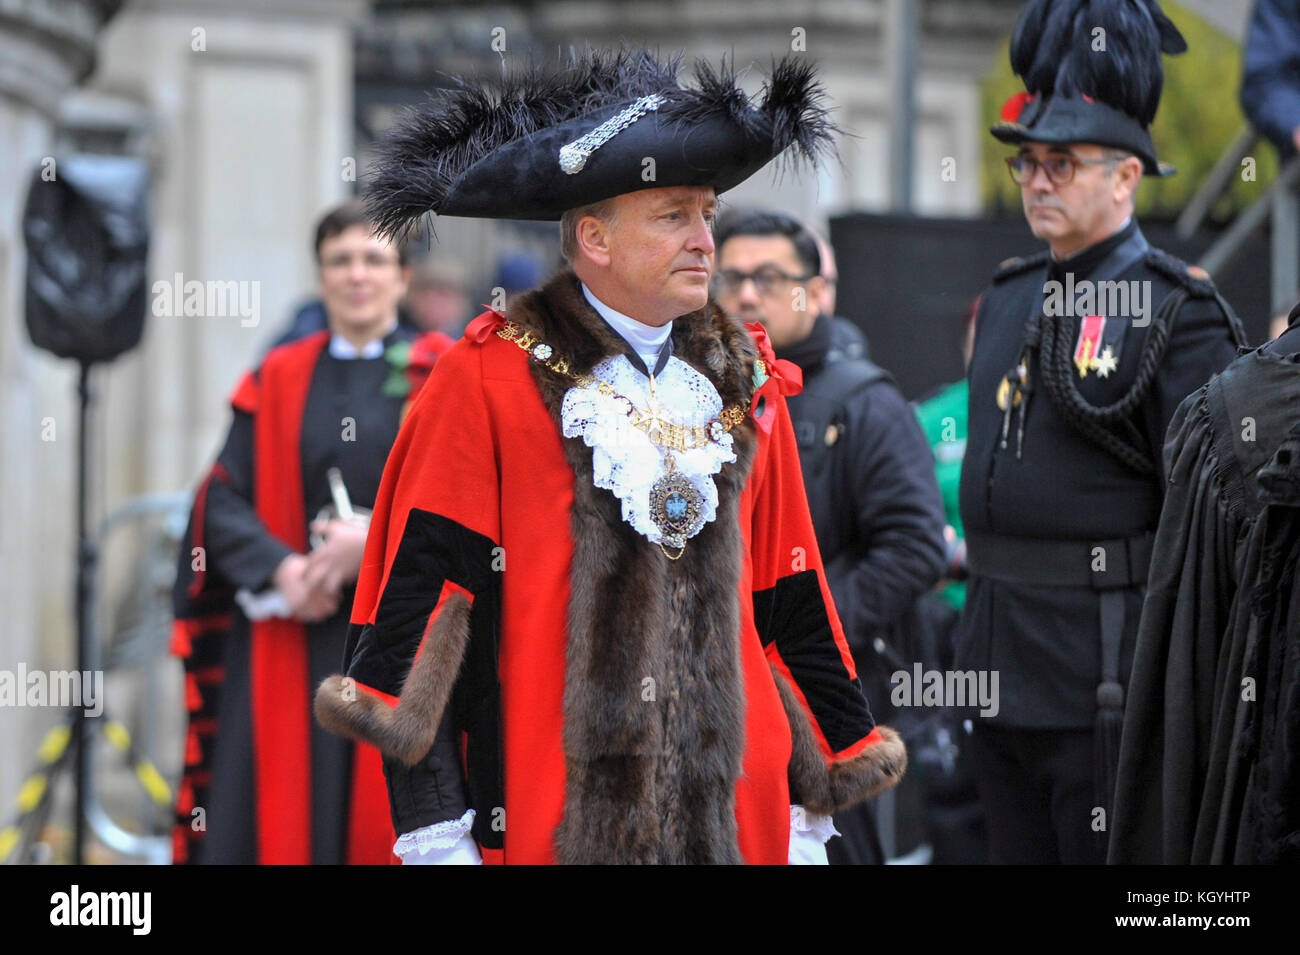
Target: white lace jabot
(624,459)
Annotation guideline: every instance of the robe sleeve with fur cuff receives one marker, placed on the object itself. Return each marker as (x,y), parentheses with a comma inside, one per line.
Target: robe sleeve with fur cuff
(840,757)
(428,596)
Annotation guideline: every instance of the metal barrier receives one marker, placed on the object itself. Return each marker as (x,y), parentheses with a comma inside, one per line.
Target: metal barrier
(143,646)
(1279,204)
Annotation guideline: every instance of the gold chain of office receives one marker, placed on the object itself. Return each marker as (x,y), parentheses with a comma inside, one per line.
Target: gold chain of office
(663,433)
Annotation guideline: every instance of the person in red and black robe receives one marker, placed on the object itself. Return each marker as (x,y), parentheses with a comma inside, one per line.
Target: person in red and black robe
(262,783)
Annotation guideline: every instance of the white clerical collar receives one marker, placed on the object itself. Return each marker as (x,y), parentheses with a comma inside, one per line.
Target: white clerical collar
(341,348)
(646,340)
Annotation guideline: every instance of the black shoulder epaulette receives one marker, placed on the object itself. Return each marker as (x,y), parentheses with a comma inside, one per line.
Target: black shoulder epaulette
(1195,279)
(1018,264)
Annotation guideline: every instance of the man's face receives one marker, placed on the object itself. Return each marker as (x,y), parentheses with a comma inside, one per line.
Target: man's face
(437,308)
(656,258)
(1081,211)
(830,279)
(361,281)
(760,279)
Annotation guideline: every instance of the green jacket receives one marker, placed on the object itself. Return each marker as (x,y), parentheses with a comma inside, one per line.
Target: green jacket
(943,419)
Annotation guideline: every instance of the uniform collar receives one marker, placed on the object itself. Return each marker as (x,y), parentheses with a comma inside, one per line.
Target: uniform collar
(1087,258)
(645,343)
(344,350)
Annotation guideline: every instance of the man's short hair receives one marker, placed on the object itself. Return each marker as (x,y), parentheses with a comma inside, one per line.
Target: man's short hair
(757,222)
(1117,154)
(603,210)
(343,217)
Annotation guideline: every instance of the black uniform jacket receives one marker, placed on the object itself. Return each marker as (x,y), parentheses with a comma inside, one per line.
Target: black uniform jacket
(1044,641)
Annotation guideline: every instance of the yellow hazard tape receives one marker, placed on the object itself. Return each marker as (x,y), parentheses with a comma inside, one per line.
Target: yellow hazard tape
(117,735)
(8,839)
(153,783)
(29,794)
(54,743)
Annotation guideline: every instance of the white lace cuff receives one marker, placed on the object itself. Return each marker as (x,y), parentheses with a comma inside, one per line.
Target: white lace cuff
(442,843)
(803,821)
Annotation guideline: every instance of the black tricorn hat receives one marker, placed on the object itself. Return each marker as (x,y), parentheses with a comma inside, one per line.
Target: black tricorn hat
(536,144)
(1093,74)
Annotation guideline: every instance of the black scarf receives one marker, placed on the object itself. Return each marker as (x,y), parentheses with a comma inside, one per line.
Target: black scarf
(809,352)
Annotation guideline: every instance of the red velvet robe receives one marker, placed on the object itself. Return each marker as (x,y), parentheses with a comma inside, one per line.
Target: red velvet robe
(480,465)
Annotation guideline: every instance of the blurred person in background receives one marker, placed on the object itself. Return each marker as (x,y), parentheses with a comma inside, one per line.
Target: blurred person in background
(1270,83)
(943,417)
(515,273)
(1277,326)
(261,616)
(954,817)
(312,316)
(876,509)
(437,299)
(846,337)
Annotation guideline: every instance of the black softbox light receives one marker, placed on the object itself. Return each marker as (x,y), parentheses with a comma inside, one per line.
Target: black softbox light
(87,233)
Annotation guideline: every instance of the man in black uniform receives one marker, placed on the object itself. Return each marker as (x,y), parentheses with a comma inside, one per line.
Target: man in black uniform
(866,465)
(1082,354)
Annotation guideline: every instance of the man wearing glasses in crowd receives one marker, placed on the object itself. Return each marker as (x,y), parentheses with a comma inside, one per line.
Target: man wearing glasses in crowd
(1082,354)
(867,469)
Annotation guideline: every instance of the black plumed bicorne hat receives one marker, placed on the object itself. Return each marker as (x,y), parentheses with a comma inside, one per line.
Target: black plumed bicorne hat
(1092,73)
(535,144)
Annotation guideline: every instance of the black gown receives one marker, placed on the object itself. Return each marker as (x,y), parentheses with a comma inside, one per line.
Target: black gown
(241,550)
(1209,766)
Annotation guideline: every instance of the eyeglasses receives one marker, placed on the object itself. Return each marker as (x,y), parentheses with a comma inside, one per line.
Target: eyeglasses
(373,261)
(767,281)
(1059,169)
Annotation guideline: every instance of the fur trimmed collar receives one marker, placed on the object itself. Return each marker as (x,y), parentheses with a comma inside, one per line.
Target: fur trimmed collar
(559,314)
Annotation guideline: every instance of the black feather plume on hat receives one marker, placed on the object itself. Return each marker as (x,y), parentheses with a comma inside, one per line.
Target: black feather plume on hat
(794,102)
(439,156)
(1052,50)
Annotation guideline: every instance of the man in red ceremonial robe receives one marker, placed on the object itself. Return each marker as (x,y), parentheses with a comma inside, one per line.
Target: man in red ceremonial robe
(261,618)
(592,624)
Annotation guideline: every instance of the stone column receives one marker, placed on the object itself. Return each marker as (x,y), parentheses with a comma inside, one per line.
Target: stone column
(248,108)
